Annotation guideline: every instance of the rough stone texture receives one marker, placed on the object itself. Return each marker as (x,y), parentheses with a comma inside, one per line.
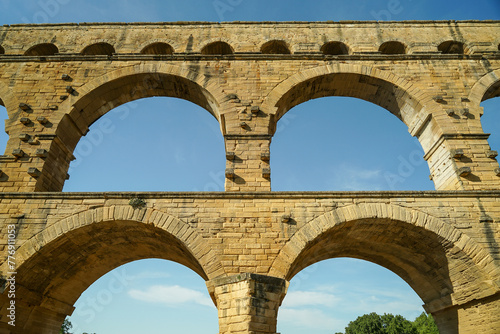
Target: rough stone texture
(248,303)
(247,243)
(435,94)
(444,244)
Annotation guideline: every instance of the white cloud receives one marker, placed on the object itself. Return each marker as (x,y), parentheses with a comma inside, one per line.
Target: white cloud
(309,298)
(359,300)
(310,310)
(307,318)
(381,304)
(172,295)
(353,178)
(306,309)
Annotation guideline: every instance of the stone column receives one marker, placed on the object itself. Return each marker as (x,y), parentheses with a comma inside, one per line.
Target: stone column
(477,316)
(43,166)
(248,303)
(247,163)
(463,162)
(458,152)
(37,158)
(33,313)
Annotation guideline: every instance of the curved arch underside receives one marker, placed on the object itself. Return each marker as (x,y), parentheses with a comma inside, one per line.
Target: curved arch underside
(369,88)
(487,87)
(158,48)
(416,255)
(64,268)
(493,91)
(91,106)
(45,49)
(101,48)
(440,263)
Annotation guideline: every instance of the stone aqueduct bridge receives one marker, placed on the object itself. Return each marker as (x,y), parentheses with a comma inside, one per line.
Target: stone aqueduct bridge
(248,242)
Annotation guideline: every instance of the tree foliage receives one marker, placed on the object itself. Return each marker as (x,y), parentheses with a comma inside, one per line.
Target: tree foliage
(397,324)
(365,324)
(425,324)
(66,326)
(391,324)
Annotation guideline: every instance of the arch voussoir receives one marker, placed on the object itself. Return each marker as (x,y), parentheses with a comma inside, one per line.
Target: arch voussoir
(327,220)
(162,220)
(481,87)
(145,69)
(358,212)
(408,93)
(180,230)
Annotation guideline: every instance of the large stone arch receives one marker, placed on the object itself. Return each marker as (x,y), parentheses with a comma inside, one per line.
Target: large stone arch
(444,266)
(141,81)
(402,98)
(488,86)
(56,265)
(94,99)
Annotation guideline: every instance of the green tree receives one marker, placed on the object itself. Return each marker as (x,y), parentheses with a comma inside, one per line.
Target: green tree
(391,324)
(380,324)
(66,326)
(397,324)
(425,324)
(366,324)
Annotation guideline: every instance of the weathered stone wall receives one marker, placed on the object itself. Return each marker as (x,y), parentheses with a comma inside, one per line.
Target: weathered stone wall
(434,92)
(247,243)
(444,244)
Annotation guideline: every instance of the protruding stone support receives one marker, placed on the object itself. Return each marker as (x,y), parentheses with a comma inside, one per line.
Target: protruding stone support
(248,303)
(448,168)
(247,161)
(40,167)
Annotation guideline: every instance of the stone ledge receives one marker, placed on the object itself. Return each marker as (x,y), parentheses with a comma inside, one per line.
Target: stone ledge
(262,23)
(254,195)
(247,277)
(13,58)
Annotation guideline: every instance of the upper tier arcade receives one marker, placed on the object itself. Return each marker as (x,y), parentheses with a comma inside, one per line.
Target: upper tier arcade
(56,80)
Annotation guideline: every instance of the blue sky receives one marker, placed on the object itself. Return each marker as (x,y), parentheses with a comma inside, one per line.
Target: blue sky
(56,11)
(184,151)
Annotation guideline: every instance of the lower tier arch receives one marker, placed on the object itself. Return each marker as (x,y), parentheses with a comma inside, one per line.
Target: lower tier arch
(444,266)
(58,264)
